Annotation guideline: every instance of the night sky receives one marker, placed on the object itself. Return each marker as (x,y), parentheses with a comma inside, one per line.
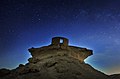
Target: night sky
(94,24)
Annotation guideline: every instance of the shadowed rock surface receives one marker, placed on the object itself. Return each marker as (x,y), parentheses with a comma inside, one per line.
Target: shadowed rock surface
(56,61)
(115,76)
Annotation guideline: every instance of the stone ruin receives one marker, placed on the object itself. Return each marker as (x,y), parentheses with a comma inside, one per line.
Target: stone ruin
(60,41)
(59,47)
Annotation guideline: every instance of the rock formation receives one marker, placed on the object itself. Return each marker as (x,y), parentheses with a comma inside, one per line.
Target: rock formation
(59,48)
(55,61)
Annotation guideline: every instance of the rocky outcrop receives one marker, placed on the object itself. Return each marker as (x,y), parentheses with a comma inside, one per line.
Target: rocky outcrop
(56,67)
(115,76)
(56,61)
(59,48)
(4,72)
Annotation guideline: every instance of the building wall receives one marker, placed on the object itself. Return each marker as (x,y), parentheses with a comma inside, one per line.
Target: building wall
(56,41)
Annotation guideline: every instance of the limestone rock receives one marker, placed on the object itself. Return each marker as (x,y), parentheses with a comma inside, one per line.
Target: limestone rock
(56,67)
(56,61)
(58,48)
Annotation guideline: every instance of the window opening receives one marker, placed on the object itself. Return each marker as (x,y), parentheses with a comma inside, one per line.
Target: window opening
(61,40)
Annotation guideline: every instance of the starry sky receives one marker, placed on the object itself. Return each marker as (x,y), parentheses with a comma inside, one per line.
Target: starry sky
(94,24)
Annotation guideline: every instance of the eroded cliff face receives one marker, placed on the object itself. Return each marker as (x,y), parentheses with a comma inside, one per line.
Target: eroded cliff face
(70,51)
(55,61)
(55,67)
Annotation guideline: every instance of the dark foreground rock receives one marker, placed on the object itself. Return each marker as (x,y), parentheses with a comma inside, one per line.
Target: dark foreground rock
(115,76)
